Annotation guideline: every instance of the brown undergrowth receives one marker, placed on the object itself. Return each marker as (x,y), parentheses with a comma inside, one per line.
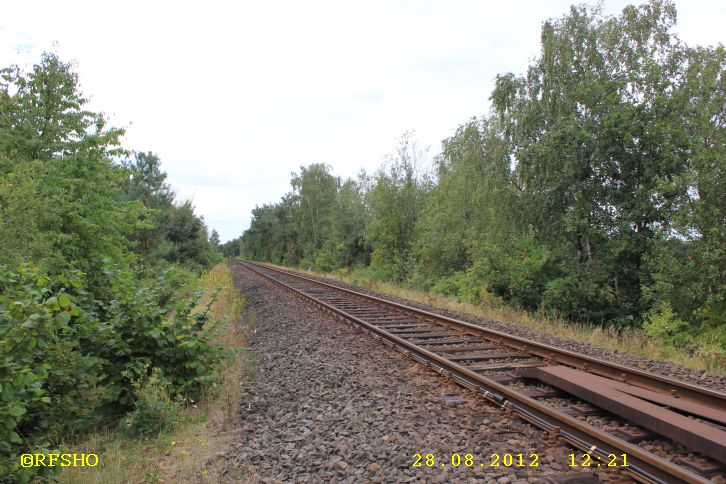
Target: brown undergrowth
(202,429)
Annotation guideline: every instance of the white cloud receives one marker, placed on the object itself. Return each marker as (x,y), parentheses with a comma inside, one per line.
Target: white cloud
(235,96)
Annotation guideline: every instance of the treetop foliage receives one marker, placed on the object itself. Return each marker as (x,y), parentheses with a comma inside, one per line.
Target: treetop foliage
(593,189)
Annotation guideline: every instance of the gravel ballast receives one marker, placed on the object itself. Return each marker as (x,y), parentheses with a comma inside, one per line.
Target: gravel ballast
(664,368)
(329,404)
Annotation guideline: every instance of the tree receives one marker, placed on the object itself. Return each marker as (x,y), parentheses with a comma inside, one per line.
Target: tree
(146,181)
(345,243)
(63,153)
(597,135)
(315,190)
(396,199)
(232,248)
(42,115)
(214,238)
(166,232)
(690,264)
(185,238)
(80,318)
(473,204)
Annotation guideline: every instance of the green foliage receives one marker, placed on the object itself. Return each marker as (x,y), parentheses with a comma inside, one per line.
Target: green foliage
(663,325)
(20,209)
(60,191)
(88,298)
(68,359)
(146,182)
(314,190)
(471,204)
(345,243)
(214,238)
(593,189)
(319,224)
(388,265)
(154,409)
(185,239)
(396,198)
(140,331)
(518,274)
(598,133)
(83,218)
(167,233)
(232,248)
(42,115)
(48,386)
(464,285)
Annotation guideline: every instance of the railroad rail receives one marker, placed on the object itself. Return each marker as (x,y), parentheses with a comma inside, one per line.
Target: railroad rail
(598,407)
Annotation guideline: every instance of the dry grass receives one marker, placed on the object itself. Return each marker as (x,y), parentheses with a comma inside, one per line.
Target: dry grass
(178,456)
(632,341)
(172,457)
(229,305)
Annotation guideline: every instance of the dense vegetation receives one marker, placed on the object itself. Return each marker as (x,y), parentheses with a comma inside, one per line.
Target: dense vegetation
(97,271)
(593,189)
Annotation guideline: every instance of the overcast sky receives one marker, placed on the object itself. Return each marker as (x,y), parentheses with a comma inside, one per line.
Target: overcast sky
(234,96)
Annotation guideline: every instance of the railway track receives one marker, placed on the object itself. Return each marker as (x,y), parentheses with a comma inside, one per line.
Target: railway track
(600,408)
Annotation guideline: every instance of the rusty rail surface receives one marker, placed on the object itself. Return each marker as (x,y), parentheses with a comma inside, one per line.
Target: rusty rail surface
(681,412)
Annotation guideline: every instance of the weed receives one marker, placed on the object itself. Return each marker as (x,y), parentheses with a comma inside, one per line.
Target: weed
(154,410)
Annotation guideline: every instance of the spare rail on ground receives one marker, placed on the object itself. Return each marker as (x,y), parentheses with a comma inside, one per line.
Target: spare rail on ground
(688,414)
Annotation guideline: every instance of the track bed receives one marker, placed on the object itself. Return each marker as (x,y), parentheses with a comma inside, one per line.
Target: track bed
(668,430)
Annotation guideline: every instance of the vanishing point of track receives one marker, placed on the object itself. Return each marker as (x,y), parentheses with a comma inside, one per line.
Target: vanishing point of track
(568,395)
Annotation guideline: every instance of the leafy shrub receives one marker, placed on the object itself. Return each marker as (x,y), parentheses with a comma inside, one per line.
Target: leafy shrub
(389,265)
(464,285)
(582,298)
(46,388)
(327,259)
(663,325)
(707,344)
(154,410)
(67,359)
(518,274)
(144,329)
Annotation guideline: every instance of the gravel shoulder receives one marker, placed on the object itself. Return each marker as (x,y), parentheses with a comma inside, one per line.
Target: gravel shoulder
(332,405)
(671,370)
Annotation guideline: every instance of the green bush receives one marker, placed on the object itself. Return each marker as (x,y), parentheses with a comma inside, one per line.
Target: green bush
(663,325)
(390,265)
(518,273)
(48,385)
(144,328)
(581,297)
(464,285)
(69,360)
(708,344)
(154,409)
(328,259)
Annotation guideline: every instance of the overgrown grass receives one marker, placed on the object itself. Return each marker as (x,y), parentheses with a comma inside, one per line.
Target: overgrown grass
(634,341)
(178,454)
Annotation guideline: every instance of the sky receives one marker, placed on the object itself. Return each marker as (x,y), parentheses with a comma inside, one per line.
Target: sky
(235,96)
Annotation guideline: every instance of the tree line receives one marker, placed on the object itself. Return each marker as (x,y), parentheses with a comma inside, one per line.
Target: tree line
(593,189)
(98,270)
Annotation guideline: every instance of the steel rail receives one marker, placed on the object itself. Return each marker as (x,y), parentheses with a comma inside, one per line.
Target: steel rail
(645,466)
(615,371)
